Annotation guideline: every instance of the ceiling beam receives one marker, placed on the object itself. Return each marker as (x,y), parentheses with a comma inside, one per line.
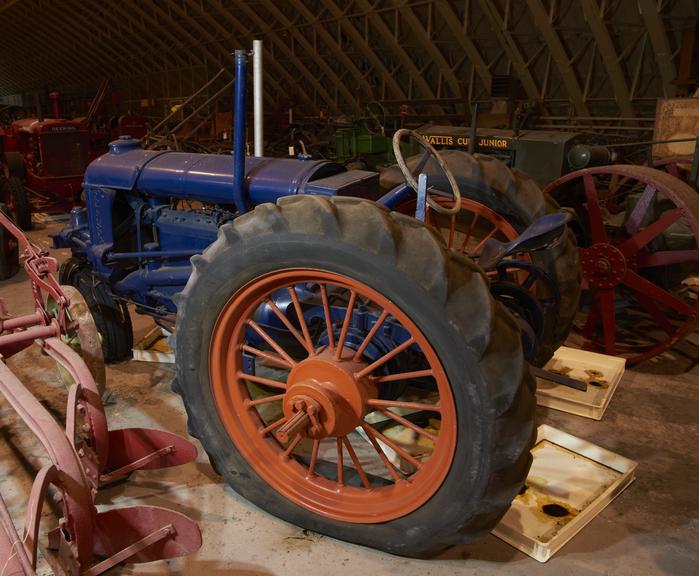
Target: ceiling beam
(363,46)
(429,47)
(271,35)
(334,46)
(605,45)
(661,47)
(467,45)
(508,43)
(312,53)
(559,55)
(270,80)
(396,49)
(270,62)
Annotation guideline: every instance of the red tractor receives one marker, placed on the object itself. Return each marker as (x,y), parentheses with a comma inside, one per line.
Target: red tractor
(46,158)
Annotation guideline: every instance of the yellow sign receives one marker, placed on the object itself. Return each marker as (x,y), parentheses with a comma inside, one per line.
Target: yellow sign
(485,142)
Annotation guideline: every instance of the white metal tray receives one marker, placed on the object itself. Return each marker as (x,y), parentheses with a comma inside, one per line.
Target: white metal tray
(570,482)
(601,372)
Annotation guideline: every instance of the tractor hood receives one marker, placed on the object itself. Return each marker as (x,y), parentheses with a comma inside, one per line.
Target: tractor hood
(202,177)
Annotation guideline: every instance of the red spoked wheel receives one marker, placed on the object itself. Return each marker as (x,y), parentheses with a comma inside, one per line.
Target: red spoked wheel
(323,401)
(638,232)
(345,371)
(678,166)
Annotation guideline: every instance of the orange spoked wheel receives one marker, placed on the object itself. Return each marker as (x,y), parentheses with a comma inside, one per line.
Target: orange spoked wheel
(499,202)
(322,400)
(346,372)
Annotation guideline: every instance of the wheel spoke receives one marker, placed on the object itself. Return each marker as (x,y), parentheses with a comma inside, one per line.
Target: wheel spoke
(647,288)
(267,429)
(289,326)
(471,228)
(452,231)
(345,324)
(274,359)
(385,358)
(382,455)
(666,257)
(262,380)
(355,460)
(656,313)
(266,400)
(596,222)
(404,376)
(314,458)
(373,432)
(592,320)
(376,403)
(301,319)
(529,282)
(328,317)
(267,338)
(635,243)
(478,248)
(340,463)
(408,424)
(292,445)
(606,298)
(643,205)
(370,335)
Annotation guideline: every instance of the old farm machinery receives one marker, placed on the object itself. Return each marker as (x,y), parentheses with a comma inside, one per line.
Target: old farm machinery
(343,366)
(84,455)
(43,160)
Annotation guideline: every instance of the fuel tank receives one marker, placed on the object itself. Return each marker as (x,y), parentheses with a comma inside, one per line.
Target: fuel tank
(204,177)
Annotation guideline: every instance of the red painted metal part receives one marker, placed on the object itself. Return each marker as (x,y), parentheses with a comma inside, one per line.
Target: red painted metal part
(56,152)
(636,306)
(83,455)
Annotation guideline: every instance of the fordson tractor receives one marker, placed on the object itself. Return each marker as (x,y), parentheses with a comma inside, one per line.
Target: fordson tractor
(347,366)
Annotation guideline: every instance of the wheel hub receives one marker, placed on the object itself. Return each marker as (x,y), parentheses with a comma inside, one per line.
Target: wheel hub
(324,397)
(603,265)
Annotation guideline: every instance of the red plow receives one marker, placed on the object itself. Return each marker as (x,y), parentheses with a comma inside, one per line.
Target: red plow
(84,454)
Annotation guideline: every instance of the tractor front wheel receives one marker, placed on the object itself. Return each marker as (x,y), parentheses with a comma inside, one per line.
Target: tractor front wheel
(14,196)
(110,316)
(347,372)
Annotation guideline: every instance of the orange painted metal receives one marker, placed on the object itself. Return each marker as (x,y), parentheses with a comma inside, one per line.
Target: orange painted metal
(329,392)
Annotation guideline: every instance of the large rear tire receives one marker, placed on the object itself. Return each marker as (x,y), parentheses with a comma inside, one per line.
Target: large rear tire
(14,196)
(466,352)
(9,250)
(110,315)
(516,198)
(15,165)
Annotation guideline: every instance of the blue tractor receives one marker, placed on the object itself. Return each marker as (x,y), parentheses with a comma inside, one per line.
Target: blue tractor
(346,365)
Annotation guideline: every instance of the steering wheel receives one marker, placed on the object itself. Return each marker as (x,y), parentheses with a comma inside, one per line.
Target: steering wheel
(409,176)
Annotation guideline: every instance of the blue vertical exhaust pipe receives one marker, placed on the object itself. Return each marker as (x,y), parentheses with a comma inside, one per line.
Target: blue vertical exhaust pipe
(241,65)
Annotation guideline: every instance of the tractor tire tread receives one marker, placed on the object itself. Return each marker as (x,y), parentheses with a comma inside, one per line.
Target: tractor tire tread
(451,281)
(111,316)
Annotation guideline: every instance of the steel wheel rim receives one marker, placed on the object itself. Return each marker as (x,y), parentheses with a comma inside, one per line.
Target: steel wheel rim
(629,283)
(300,480)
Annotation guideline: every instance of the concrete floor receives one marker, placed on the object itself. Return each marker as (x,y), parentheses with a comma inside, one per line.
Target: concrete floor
(651,528)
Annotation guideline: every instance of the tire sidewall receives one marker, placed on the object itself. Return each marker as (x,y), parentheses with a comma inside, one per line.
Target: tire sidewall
(468,476)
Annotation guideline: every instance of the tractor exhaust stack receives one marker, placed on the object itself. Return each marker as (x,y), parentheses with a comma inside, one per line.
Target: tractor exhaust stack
(239,131)
(257,72)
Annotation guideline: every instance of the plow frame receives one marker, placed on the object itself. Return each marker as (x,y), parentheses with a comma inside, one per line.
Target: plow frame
(84,455)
